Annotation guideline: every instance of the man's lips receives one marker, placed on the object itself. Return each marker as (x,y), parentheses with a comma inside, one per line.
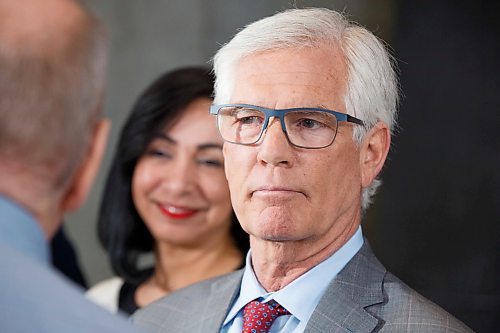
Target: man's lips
(274,191)
(177,212)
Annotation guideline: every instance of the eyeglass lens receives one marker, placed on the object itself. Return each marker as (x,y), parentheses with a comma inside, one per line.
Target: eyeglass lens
(304,128)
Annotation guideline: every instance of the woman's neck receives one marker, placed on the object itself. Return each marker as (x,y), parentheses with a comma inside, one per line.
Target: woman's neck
(179,266)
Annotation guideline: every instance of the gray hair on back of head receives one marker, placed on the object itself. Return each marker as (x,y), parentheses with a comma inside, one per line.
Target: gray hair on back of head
(51,86)
(372,91)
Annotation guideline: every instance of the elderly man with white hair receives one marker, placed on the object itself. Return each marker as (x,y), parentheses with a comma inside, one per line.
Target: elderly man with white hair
(306,103)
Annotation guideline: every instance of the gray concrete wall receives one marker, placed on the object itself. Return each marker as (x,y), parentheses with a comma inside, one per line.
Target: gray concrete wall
(152,36)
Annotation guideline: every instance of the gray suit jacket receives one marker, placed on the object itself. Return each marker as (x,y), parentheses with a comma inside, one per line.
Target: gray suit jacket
(364,297)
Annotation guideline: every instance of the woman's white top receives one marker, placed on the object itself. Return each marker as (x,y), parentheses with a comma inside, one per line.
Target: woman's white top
(106,293)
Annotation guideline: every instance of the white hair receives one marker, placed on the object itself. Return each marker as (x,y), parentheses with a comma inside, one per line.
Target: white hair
(372,87)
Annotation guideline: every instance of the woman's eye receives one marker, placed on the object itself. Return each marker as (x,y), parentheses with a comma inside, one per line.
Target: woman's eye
(158,153)
(211,163)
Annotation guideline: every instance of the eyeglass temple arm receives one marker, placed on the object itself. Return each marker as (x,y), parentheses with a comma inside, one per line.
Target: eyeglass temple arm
(355,120)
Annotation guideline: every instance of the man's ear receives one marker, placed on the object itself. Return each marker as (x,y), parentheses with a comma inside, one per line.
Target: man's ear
(374,150)
(84,177)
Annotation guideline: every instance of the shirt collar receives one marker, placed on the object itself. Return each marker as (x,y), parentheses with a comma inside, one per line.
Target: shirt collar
(302,295)
(20,230)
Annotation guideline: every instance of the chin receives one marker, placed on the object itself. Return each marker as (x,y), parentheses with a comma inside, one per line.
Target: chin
(272,223)
(278,238)
(277,232)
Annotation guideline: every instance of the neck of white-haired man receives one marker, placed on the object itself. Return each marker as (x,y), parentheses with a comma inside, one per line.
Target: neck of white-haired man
(277,264)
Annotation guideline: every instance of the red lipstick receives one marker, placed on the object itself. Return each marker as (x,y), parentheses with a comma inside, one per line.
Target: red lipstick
(177,212)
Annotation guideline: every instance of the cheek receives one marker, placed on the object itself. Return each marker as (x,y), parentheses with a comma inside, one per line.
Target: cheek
(237,160)
(142,179)
(332,169)
(217,193)
(343,176)
(139,181)
(215,189)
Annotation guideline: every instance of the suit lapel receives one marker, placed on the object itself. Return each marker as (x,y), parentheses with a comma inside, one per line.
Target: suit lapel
(342,307)
(222,295)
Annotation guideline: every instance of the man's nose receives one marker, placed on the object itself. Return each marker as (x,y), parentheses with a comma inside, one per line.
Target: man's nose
(274,148)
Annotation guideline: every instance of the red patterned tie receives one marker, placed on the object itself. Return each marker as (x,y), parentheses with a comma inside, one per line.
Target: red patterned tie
(258,317)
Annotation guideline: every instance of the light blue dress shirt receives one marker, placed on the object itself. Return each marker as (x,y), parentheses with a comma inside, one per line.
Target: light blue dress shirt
(300,297)
(33,296)
(19,229)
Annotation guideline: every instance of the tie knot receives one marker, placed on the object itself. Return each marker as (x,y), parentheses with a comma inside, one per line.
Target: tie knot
(258,317)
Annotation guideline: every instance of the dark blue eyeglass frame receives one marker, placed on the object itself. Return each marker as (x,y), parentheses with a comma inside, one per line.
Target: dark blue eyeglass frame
(280,113)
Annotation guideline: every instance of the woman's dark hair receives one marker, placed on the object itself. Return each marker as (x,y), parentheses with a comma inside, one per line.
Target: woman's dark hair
(120,228)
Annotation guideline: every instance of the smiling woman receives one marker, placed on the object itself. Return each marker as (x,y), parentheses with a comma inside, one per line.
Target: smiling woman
(167,193)
(179,187)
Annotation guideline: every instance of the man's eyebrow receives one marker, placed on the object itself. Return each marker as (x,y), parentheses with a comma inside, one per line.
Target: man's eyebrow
(203,146)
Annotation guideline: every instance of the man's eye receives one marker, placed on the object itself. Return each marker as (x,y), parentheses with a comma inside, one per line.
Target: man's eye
(250,120)
(309,123)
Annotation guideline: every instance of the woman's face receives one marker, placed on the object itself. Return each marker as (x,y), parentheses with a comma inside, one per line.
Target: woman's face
(179,187)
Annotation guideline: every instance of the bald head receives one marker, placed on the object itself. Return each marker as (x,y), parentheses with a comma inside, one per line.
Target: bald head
(52,67)
(36,22)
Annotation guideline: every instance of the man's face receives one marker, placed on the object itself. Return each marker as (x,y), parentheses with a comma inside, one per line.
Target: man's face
(281,192)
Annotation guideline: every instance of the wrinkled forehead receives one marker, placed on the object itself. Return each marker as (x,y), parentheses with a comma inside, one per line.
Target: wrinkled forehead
(294,77)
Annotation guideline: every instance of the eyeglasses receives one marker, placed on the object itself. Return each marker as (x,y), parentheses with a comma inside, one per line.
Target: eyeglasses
(310,128)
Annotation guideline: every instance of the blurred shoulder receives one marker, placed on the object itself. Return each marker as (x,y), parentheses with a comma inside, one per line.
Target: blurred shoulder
(37,298)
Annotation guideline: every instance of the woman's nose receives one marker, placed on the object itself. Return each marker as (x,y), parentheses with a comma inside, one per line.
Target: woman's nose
(181,176)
